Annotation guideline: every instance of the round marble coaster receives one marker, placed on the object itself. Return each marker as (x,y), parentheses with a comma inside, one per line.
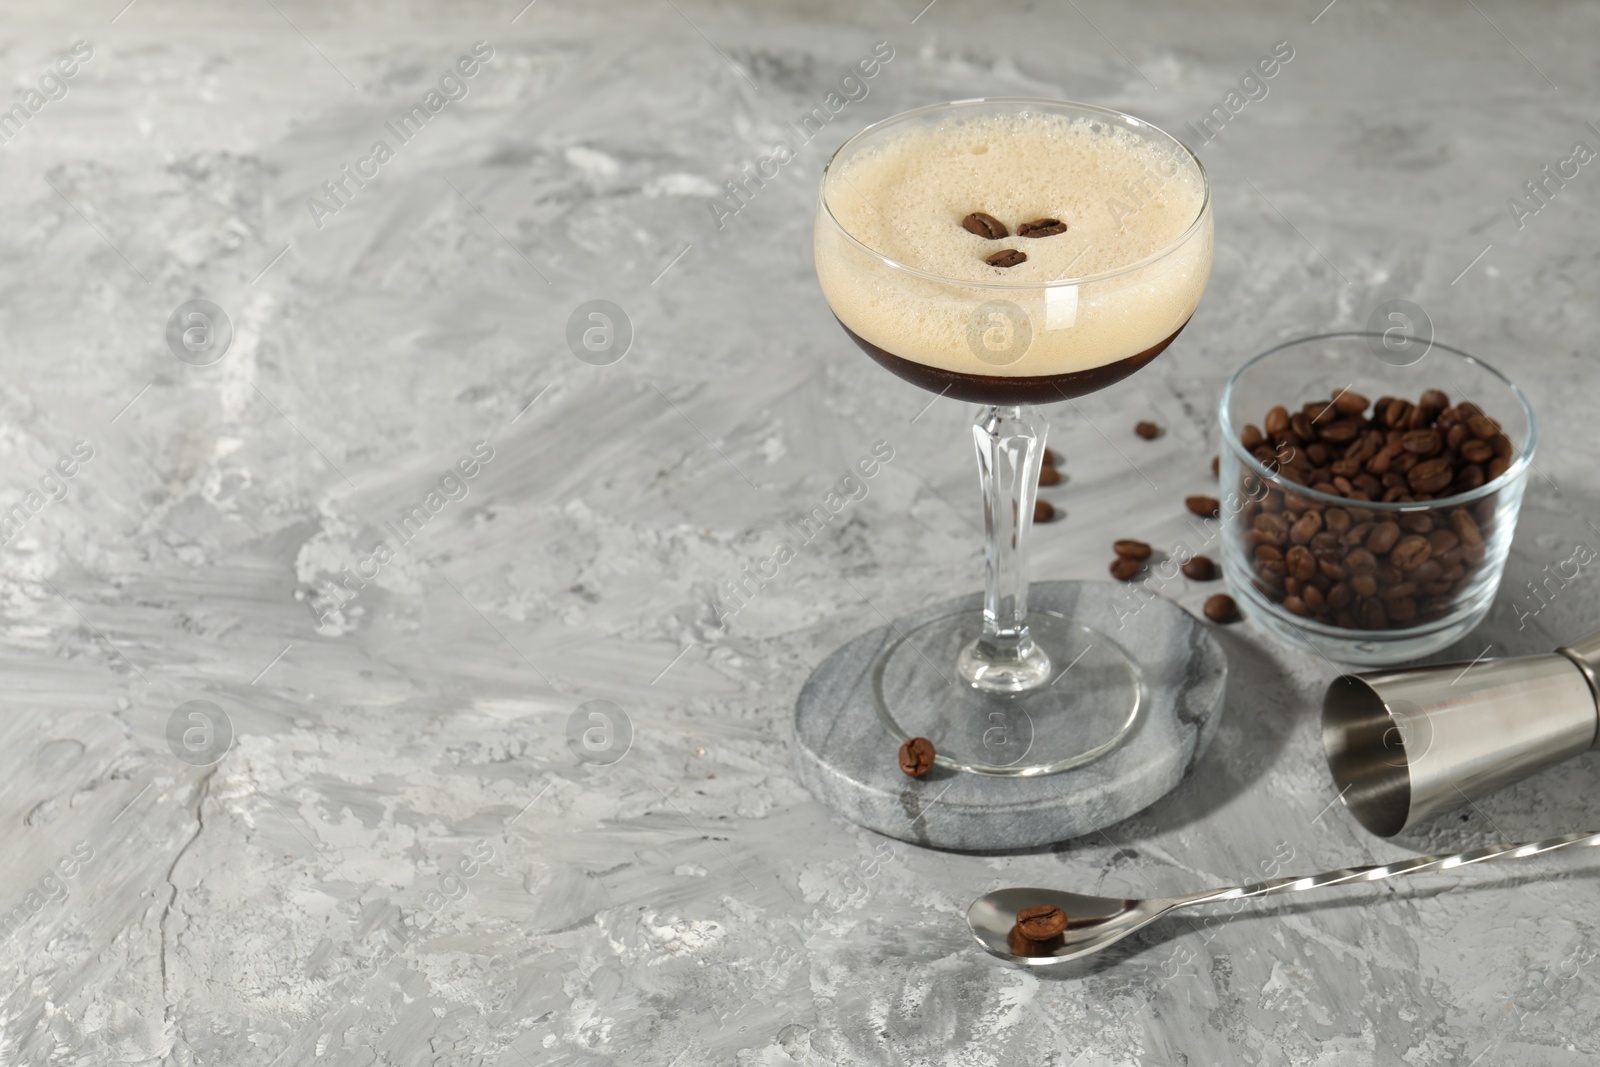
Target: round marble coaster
(848,758)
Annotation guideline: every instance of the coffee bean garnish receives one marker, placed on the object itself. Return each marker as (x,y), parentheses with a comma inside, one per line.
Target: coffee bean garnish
(1200,569)
(1041,228)
(1043,511)
(1221,608)
(1049,476)
(985,225)
(1207,507)
(1350,565)
(1041,922)
(1131,549)
(1006,257)
(1147,430)
(916,757)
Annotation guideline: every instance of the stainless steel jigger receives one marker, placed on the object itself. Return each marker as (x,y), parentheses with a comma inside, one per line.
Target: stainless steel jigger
(1407,744)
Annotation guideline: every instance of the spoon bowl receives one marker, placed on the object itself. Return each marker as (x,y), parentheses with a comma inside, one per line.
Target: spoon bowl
(1093,923)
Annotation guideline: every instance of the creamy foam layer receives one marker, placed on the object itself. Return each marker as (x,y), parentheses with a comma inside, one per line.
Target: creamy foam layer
(1122,196)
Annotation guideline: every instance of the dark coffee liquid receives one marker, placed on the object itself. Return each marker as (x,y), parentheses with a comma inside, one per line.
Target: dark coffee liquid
(1005,391)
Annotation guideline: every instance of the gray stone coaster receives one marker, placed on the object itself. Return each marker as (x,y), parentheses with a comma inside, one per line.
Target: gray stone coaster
(847,758)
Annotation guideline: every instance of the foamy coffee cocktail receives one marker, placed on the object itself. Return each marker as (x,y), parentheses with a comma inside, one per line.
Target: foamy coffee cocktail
(1012,253)
(1102,292)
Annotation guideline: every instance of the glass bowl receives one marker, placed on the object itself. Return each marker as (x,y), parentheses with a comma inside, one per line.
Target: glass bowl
(1370,544)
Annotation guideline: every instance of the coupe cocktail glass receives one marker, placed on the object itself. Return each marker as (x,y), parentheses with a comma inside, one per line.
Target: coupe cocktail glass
(1000,692)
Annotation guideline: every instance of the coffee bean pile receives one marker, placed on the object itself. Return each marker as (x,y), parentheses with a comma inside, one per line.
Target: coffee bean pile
(1357,567)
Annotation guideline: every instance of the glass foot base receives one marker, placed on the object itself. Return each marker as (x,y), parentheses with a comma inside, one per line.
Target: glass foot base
(1090,702)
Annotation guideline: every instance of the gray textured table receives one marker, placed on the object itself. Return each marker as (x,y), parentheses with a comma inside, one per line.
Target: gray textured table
(399,858)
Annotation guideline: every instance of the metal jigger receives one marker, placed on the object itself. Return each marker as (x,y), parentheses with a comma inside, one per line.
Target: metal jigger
(1407,744)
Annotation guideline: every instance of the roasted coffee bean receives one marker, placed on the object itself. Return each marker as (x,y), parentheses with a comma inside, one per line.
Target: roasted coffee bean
(1221,608)
(1363,585)
(1435,399)
(1251,437)
(1336,520)
(1372,615)
(916,757)
(1476,451)
(1410,551)
(1339,433)
(1200,569)
(1306,527)
(1466,528)
(1124,568)
(1430,476)
(1340,596)
(1429,570)
(1277,421)
(1006,257)
(1147,430)
(1049,476)
(1442,541)
(1469,478)
(1313,598)
(1350,403)
(1216,466)
(1294,605)
(1501,445)
(1415,522)
(1497,466)
(1041,228)
(1301,564)
(1207,507)
(1360,561)
(1483,427)
(1043,511)
(1422,442)
(1050,457)
(1268,552)
(1383,537)
(1300,423)
(1396,414)
(1402,610)
(985,225)
(1131,549)
(1042,922)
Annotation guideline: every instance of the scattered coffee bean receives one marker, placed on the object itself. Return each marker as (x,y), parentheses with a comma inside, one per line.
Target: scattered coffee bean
(1041,922)
(1049,476)
(1221,608)
(1043,511)
(1216,466)
(1147,430)
(1041,228)
(916,757)
(1124,568)
(1200,569)
(1131,549)
(985,225)
(1207,507)
(1006,257)
(1050,458)
(1356,566)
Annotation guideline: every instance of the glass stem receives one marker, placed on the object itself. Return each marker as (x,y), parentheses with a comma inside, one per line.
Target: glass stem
(1010,446)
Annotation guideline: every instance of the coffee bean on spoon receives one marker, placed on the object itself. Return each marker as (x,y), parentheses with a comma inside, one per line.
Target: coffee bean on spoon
(1041,922)
(1041,228)
(985,225)
(1006,257)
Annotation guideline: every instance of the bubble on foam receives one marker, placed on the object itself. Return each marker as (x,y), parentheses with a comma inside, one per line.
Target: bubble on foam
(1123,198)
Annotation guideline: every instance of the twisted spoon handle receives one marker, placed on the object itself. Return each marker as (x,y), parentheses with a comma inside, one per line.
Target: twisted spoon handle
(1375,872)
